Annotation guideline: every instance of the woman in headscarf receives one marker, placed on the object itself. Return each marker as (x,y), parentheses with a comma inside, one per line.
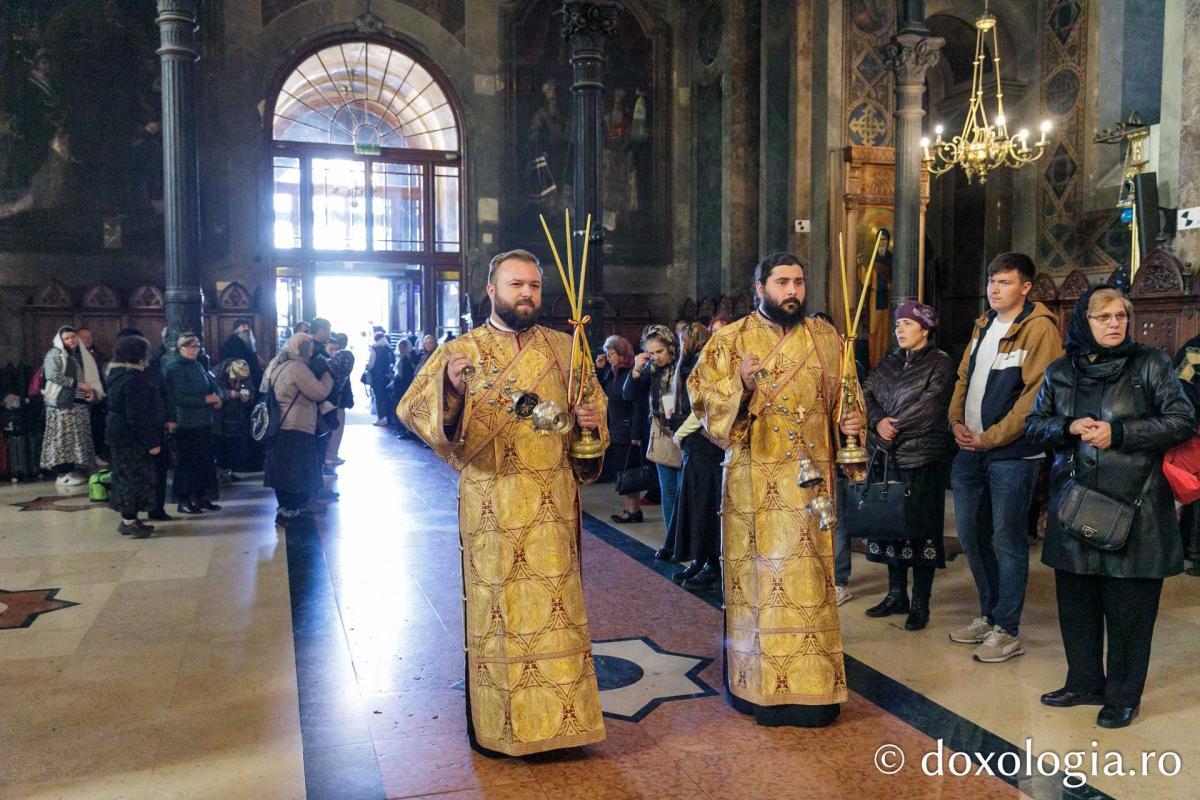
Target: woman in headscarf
(134,430)
(1109,408)
(72,381)
(192,397)
(235,380)
(627,419)
(650,382)
(697,522)
(291,466)
(908,399)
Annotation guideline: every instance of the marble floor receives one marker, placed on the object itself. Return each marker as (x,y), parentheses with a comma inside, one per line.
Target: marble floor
(227,659)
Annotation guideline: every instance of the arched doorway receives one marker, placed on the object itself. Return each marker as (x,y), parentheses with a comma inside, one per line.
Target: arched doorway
(365,149)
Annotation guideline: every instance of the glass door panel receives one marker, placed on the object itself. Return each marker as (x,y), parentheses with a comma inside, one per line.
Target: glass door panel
(339,204)
(396,200)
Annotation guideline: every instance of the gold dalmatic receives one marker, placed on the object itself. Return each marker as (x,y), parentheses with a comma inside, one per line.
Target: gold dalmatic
(783,643)
(530,676)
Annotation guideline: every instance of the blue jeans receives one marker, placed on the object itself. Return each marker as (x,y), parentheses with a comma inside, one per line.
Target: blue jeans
(991,509)
(668,483)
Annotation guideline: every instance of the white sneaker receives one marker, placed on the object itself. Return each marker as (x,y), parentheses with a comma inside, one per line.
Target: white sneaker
(999,645)
(843,594)
(62,480)
(972,633)
(72,479)
(380,423)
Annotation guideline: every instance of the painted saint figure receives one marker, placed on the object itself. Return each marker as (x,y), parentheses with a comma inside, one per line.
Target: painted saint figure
(766,389)
(531,681)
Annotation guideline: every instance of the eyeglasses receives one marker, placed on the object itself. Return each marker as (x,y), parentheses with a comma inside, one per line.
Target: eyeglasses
(190,347)
(1107,319)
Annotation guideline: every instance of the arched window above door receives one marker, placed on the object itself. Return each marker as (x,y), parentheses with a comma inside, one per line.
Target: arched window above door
(366,95)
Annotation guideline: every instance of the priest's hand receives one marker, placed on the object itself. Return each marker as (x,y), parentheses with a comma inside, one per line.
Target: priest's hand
(747,370)
(587,416)
(852,423)
(454,370)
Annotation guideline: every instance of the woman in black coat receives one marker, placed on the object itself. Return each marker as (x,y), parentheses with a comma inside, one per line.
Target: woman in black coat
(133,431)
(628,421)
(696,526)
(1109,409)
(908,399)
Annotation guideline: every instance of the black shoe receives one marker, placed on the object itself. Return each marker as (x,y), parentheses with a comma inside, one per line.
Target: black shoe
(625,516)
(665,554)
(160,516)
(1117,716)
(691,571)
(207,505)
(136,529)
(1065,698)
(188,508)
(918,617)
(705,578)
(894,602)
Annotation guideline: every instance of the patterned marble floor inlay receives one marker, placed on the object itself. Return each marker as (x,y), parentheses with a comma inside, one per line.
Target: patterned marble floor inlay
(636,676)
(21,608)
(55,502)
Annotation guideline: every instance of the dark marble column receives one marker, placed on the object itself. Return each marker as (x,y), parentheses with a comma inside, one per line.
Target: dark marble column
(912,51)
(586,26)
(177,27)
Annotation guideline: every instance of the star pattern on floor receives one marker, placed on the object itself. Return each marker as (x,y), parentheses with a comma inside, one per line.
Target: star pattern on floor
(54,502)
(19,609)
(636,676)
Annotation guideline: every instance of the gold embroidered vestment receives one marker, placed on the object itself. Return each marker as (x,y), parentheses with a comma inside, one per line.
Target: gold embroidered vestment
(530,674)
(783,642)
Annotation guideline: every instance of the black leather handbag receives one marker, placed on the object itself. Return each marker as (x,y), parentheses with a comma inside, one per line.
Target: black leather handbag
(878,509)
(637,479)
(1096,519)
(1091,516)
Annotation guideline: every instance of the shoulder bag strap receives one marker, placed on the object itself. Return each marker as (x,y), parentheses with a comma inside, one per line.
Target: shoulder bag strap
(295,397)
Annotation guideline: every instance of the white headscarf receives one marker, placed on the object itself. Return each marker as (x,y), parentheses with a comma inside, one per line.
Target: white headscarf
(91,373)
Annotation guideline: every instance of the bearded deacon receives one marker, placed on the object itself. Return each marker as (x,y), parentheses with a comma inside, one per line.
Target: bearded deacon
(531,682)
(766,389)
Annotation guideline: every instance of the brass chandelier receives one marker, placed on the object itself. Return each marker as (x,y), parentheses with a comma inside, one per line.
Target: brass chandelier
(983,146)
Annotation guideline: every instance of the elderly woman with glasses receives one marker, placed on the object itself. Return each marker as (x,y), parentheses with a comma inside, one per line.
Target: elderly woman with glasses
(1109,409)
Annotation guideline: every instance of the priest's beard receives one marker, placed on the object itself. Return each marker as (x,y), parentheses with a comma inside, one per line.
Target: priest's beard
(790,313)
(520,316)
(248,339)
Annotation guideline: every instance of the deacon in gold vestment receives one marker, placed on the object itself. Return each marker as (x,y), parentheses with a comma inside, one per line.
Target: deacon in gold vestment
(531,682)
(783,644)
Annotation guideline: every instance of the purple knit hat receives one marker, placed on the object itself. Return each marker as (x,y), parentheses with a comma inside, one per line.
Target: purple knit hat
(919,313)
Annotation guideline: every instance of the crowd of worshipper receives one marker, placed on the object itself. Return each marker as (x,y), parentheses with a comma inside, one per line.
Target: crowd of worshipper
(152,414)
(1009,431)
(1021,427)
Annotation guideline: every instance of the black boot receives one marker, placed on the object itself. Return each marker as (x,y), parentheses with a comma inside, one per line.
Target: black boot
(706,578)
(896,599)
(918,618)
(688,572)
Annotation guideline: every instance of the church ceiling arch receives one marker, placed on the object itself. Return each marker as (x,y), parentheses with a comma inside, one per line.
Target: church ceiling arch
(367,94)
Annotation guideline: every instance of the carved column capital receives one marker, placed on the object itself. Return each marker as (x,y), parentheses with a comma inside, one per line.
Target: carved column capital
(910,55)
(590,18)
